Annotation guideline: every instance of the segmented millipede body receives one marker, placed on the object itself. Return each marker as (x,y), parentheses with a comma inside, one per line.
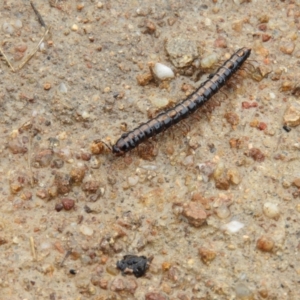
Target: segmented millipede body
(182,110)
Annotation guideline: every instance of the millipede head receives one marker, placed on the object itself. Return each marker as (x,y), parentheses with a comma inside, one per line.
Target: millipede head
(117,151)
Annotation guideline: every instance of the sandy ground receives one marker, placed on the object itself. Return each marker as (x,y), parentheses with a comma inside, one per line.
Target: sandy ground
(214,203)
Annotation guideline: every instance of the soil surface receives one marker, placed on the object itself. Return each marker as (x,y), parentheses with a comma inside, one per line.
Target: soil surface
(212,204)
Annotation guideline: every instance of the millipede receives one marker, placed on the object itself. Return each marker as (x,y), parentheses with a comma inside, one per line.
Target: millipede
(182,110)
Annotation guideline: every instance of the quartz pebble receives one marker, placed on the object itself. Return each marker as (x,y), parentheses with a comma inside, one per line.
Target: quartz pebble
(243,292)
(271,210)
(223,211)
(133,180)
(63,88)
(74,27)
(85,230)
(233,226)
(163,72)
(209,60)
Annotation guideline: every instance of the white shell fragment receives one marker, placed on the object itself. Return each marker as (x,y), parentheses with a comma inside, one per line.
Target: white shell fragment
(233,226)
(163,72)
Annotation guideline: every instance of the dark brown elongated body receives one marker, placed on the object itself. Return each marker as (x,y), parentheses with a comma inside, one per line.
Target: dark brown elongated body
(182,110)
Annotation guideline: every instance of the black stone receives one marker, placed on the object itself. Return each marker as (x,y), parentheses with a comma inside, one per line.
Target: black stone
(133,264)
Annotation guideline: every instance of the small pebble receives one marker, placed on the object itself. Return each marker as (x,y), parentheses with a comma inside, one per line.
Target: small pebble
(91,186)
(63,183)
(256,154)
(21,48)
(159,102)
(233,226)
(265,243)
(271,210)
(237,25)
(286,86)
(149,27)
(292,115)
(223,212)
(133,180)
(77,174)
(85,230)
(59,207)
(74,27)
(207,22)
(287,48)
(63,88)
(188,160)
(99,5)
(208,61)
(97,147)
(234,176)
(194,213)
(163,72)
(7,28)
(243,292)
(42,47)
(220,42)
(47,86)
(80,6)
(296,182)
(43,158)
(67,203)
(206,255)
(144,79)
(247,105)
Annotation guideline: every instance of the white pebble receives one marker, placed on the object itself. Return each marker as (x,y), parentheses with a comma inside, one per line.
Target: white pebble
(99,5)
(63,88)
(133,180)
(163,72)
(271,210)
(272,95)
(7,28)
(85,115)
(46,246)
(74,27)
(149,167)
(42,47)
(233,226)
(209,61)
(86,230)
